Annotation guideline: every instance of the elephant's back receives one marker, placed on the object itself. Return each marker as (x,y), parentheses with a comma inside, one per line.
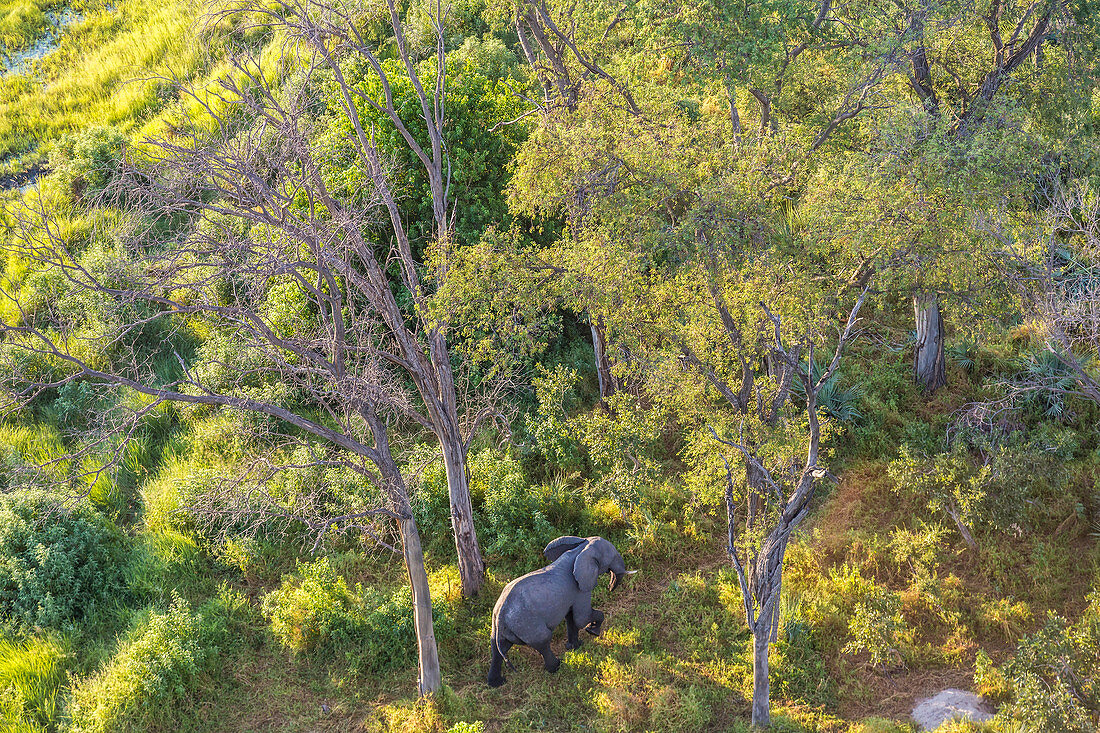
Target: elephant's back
(542,594)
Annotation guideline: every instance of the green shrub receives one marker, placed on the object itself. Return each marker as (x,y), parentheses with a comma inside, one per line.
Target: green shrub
(836,403)
(32,674)
(993,494)
(989,681)
(551,438)
(799,671)
(1047,368)
(314,612)
(878,628)
(154,667)
(1055,676)
(828,601)
(88,160)
(463,727)
(515,520)
(919,551)
(57,563)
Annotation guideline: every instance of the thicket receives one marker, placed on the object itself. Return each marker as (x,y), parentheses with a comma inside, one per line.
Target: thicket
(314,612)
(157,663)
(58,564)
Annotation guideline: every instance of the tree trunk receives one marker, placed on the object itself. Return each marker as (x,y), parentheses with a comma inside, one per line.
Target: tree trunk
(471,568)
(430,679)
(427,653)
(773,633)
(761,715)
(929,363)
(608,383)
(735,118)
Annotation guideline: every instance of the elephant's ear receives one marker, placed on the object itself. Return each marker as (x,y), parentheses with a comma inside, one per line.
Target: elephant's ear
(586,568)
(560,546)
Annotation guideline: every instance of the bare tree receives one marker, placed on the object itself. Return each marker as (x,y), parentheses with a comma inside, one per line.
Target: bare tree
(778,497)
(554,54)
(223,228)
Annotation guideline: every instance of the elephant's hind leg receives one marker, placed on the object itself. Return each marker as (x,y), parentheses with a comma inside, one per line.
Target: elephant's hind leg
(497,649)
(541,644)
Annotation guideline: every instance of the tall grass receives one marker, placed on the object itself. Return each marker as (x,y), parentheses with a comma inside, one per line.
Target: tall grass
(32,674)
(110,68)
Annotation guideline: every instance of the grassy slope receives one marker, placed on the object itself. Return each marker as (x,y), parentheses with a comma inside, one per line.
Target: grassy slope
(102,74)
(675,653)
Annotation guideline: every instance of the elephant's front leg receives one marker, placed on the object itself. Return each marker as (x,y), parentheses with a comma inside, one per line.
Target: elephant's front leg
(571,632)
(595,626)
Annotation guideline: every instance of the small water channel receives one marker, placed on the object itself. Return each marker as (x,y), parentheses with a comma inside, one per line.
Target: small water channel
(21,62)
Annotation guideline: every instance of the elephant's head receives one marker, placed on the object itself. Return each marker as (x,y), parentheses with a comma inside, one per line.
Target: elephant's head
(596,557)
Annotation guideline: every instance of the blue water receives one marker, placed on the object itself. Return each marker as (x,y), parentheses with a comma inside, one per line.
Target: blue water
(22,62)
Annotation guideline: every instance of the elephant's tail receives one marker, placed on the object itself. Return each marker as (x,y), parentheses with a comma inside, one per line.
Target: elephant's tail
(496,648)
(494,640)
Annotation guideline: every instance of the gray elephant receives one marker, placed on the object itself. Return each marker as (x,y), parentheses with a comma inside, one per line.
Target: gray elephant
(532,606)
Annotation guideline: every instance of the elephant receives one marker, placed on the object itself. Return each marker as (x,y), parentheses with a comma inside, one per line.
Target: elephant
(532,606)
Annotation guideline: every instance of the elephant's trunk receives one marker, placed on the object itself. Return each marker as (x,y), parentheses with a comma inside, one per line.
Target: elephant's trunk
(617,578)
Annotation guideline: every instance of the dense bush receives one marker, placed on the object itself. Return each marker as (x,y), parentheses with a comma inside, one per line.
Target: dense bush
(515,520)
(87,161)
(550,437)
(878,628)
(154,666)
(1055,676)
(314,611)
(57,563)
(974,494)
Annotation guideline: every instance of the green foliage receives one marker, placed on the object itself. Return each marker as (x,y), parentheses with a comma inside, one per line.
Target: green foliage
(551,436)
(622,442)
(58,564)
(314,612)
(478,154)
(463,727)
(992,495)
(798,670)
(1055,675)
(878,628)
(32,675)
(989,681)
(919,550)
(515,519)
(833,401)
(87,161)
(1046,368)
(154,668)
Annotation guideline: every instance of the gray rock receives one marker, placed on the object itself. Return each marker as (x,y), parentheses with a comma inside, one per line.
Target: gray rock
(933,712)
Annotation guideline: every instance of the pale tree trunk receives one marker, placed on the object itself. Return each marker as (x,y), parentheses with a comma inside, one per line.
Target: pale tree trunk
(439,391)
(429,678)
(608,383)
(929,362)
(471,568)
(769,526)
(427,653)
(761,689)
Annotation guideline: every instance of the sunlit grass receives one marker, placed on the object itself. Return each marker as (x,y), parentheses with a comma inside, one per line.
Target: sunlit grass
(114,67)
(32,674)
